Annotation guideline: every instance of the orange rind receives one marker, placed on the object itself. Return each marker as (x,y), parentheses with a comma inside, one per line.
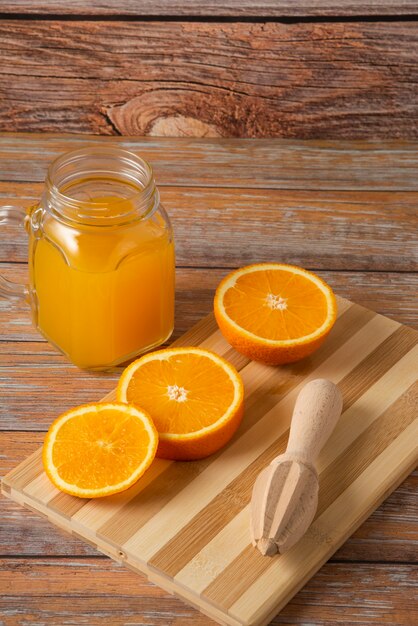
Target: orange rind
(194,397)
(96,450)
(273,312)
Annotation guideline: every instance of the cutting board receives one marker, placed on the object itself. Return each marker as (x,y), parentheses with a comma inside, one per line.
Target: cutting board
(186,525)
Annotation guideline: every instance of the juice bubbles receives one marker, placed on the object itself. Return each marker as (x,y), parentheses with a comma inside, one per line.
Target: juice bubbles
(102,272)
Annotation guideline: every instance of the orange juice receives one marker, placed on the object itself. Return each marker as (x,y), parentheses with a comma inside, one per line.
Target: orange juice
(101,258)
(103,293)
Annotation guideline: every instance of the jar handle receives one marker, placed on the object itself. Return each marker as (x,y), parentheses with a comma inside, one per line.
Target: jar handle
(10,214)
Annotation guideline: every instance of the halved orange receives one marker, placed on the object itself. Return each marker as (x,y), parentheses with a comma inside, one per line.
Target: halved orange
(95,450)
(274,313)
(194,397)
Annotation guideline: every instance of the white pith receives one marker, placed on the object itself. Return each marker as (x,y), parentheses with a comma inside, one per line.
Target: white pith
(276,302)
(179,394)
(230,282)
(82,411)
(167,354)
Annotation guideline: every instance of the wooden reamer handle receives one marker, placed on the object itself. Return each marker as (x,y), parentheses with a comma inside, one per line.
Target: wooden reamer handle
(317,410)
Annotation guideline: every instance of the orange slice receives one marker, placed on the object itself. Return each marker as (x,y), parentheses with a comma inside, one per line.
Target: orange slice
(274,313)
(194,397)
(95,450)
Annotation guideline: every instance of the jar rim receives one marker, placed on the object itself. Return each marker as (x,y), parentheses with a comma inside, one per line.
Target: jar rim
(140,199)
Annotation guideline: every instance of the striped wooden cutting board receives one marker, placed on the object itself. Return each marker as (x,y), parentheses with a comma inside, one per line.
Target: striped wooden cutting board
(186,525)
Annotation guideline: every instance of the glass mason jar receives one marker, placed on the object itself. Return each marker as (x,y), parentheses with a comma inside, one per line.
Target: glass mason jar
(101,258)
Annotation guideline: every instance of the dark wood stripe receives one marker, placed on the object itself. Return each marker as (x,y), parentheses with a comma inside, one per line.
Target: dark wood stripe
(239,361)
(201,332)
(67,505)
(174,555)
(245,569)
(128,520)
(346,468)
(349,322)
(278,382)
(377,363)
(123,524)
(210,520)
(239,575)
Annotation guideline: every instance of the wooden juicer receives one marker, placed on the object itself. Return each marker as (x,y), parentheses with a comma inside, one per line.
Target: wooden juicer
(285,494)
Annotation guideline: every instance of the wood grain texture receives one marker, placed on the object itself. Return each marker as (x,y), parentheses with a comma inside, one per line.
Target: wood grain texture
(183,166)
(308,165)
(236,8)
(330,598)
(177,539)
(56,385)
(374,231)
(201,79)
(390,534)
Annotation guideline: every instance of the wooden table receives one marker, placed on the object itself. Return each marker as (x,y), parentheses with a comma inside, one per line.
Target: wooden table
(347,210)
(223,68)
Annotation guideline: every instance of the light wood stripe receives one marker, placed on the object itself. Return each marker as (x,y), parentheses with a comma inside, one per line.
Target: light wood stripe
(343,304)
(328,532)
(146,504)
(218,344)
(260,377)
(363,413)
(182,592)
(377,363)
(95,513)
(210,520)
(69,506)
(244,450)
(216,555)
(185,525)
(206,334)
(374,402)
(41,489)
(24,473)
(346,468)
(249,565)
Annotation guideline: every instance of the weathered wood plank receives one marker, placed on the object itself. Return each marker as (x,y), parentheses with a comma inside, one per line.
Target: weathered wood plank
(36,382)
(235,8)
(308,165)
(319,230)
(32,368)
(32,592)
(390,534)
(390,294)
(242,79)
(23,532)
